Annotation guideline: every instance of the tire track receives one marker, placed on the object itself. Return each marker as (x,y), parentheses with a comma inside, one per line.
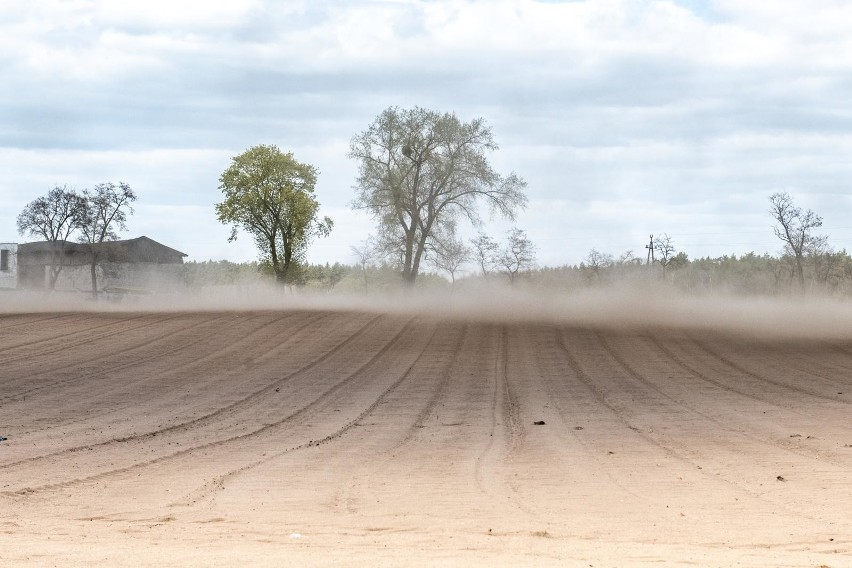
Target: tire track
(723,426)
(637,376)
(733,365)
(600,397)
(721,384)
(670,452)
(830,374)
(385,457)
(557,396)
(64,345)
(846,368)
(504,412)
(446,375)
(511,411)
(207,418)
(217,443)
(246,401)
(173,370)
(83,377)
(702,375)
(218,482)
(28,320)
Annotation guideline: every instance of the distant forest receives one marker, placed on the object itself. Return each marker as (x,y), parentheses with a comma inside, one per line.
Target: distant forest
(827,273)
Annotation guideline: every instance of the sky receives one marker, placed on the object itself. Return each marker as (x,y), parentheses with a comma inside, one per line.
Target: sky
(625,117)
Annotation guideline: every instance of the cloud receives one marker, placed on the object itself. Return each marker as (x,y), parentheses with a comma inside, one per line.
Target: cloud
(626,116)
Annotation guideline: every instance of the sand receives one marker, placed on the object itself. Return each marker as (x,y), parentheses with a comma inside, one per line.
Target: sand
(358,438)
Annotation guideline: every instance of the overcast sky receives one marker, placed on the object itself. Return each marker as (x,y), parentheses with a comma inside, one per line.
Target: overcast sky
(626,117)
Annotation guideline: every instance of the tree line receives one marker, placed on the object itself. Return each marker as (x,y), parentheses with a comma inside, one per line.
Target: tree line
(749,274)
(424,177)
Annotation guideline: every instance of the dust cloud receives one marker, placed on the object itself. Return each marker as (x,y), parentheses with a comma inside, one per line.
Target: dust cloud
(612,308)
(495,428)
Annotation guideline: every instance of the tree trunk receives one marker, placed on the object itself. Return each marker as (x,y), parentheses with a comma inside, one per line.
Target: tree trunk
(93,267)
(408,279)
(54,276)
(409,273)
(801,273)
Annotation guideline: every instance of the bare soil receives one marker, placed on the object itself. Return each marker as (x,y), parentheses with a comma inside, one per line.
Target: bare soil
(311,437)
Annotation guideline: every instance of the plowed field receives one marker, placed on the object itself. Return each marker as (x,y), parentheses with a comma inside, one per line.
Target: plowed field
(316,437)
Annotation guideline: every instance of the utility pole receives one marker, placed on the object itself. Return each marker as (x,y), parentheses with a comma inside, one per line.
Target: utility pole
(650,247)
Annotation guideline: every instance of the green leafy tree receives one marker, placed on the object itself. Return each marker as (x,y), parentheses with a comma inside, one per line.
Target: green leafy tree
(420,171)
(270,195)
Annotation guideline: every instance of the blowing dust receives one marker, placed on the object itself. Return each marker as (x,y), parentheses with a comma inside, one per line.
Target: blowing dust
(612,308)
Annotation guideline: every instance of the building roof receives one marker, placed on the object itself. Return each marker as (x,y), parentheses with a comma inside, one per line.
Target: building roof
(50,246)
(145,242)
(140,249)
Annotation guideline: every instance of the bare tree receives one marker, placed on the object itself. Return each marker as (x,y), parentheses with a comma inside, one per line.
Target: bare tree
(107,206)
(484,252)
(517,255)
(665,249)
(795,228)
(53,217)
(597,261)
(625,260)
(366,253)
(421,171)
(449,254)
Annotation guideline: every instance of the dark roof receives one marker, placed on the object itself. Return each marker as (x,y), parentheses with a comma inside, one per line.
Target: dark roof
(144,243)
(140,249)
(50,246)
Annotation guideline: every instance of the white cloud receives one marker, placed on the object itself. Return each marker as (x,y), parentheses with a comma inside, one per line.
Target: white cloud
(625,116)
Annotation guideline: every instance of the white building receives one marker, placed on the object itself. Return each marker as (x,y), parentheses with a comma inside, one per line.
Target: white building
(8,265)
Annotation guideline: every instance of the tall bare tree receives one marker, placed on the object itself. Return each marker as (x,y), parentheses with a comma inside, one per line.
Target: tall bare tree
(665,249)
(367,254)
(449,254)
(626,260)
(53,217)
(107,207)
(420,171)
(796,228)
(597,261)
(484,252)
(517,255)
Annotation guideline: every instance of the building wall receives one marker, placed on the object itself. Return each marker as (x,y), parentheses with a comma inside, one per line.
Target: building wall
(139,277)
(9,277)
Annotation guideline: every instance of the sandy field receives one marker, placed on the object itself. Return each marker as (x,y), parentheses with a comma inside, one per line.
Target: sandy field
(320,437)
